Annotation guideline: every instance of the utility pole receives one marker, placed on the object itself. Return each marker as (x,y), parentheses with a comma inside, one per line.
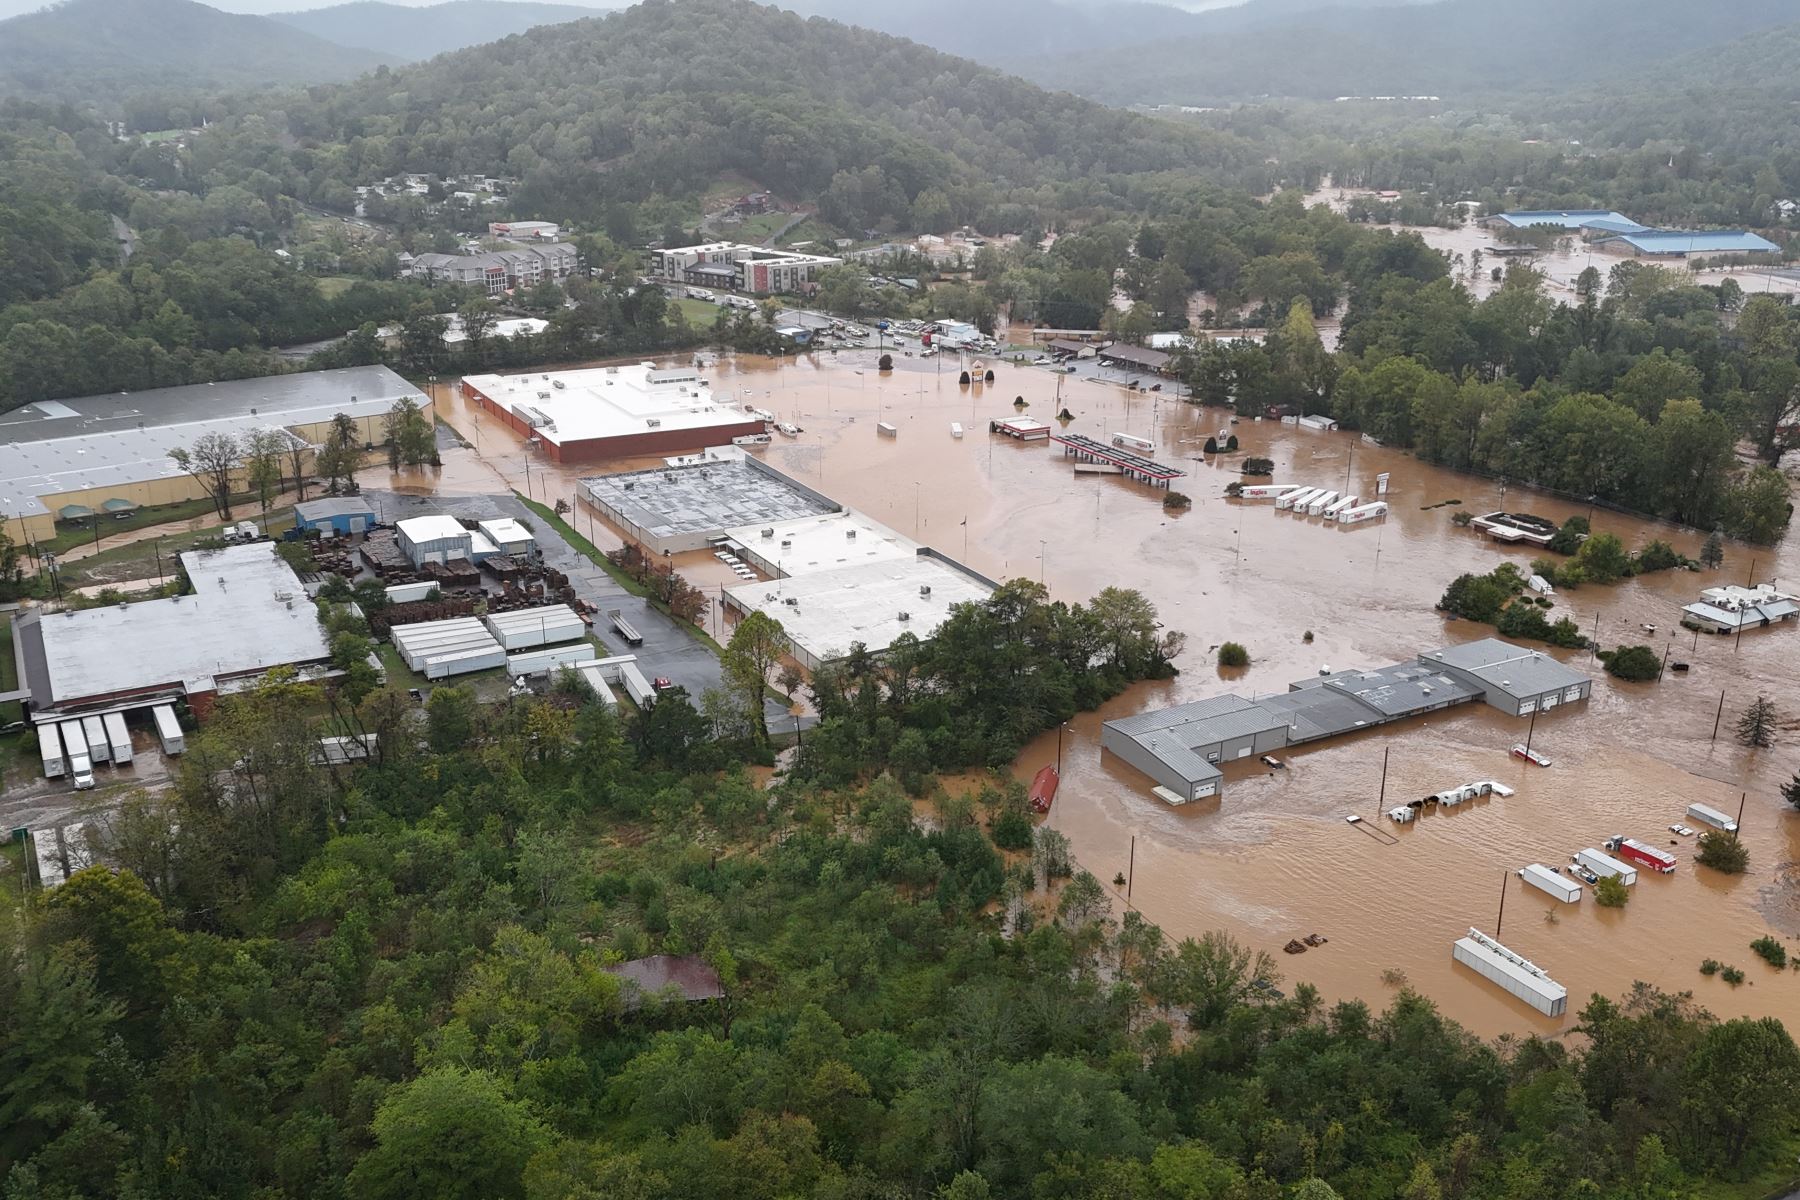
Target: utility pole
(1742,796)
(1059,740)
(1502,916)
(1381,800)
(1594,642)
(1531,729)
(1131,868)
(1719,716)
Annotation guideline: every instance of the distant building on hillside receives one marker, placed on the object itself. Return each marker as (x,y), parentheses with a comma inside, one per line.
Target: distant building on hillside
(525,231)
(1589,222)
(739,268)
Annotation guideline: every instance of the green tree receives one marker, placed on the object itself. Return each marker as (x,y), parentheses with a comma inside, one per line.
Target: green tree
(755,650)
(1635,664)
(1723,852)
(1603,558)
(1790,791)
(449,1133)
(1712,551)
(1739,1093)
(450,716)
(54,1028)
(265,463)
(338,457)
(1756,725)
(1610,892)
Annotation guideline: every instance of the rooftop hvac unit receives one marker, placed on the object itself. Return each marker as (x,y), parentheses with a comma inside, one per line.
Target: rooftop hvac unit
(612,370)
(786,542)
(905,616)
(789,600)
(768,533)
(850,535)
(924,589)
(629,486)
(653,422)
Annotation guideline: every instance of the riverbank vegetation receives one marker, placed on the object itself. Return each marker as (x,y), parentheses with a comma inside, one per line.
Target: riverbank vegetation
(393,982)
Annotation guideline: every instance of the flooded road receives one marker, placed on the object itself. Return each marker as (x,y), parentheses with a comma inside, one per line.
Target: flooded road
(1276,860)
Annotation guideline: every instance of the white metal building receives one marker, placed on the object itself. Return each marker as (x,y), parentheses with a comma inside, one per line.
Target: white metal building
(435,538)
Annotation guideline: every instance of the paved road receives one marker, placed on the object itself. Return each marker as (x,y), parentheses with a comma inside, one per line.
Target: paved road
(669,650)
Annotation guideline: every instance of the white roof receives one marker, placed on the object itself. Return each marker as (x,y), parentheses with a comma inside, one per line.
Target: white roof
(504,531)
(823,543)
(435,527)
(603,402)
(834,609)
(248,614)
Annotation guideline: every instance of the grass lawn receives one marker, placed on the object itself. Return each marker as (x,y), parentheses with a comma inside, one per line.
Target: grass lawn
(700,314)
(811,230)
(9,674)
(333,286)
(592,552)
(81,533)
(757,228)
(398,673)
(138,559)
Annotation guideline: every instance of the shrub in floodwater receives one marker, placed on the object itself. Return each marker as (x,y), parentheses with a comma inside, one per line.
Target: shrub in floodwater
(1710,967)
(1610,893)
(1731,975)
(1232,654)
(1771,951)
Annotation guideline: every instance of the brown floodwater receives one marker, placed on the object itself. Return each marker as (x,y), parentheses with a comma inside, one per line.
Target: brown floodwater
(1275,859)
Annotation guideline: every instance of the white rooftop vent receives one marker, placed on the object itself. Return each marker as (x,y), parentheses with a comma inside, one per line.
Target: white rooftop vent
(769,533)
(905,616)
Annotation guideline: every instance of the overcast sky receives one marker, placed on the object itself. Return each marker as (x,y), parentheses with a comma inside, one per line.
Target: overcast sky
(12,8)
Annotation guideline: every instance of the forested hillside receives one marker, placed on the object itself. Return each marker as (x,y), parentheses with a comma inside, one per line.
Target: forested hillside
(411,33)
(1459,49)
(83,50)
(658,100)
(391,981)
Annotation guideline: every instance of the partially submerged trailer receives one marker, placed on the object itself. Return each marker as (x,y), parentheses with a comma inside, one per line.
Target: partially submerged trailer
(1297,497)
(1266,491)
(1339,505)
(1706,814)
(1363,512)
(118,738)
(168,729)
(1554,882)
(1640,854)
(1517,974)
(1604,865)
(1318,504)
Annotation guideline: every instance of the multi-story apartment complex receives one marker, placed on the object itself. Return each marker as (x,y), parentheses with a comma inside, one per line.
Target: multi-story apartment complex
(739,268)
(499,271)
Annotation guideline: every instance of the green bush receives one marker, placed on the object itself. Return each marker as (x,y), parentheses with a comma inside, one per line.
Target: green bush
(1461,519)
(1259,466)
(1610,893)
(886,363)
(1634,664)
(1231,654)
(1523,619)
(1722,852)
(1011,830)
(1212,446)
(1568,539)
(1771,951)
(1657,556)
(1731,975)
(1176,501)
(1231,443)
(1710,967)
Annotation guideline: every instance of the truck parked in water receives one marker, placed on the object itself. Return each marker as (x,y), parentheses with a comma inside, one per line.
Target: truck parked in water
(1706,814)
(1546,880)
(1602,866)
(1633,851)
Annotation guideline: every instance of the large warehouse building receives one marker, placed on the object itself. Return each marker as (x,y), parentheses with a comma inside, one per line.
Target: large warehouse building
(671,509)
(1182,748)
(98,454)
(248,613)
(610,412)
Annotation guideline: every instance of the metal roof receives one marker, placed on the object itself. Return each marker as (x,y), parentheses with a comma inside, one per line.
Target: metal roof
(1174,734)
(1571,218)
(333,506)
(1152,360)
(1402,689)
(1514,670)
(1748,615)
(1712,241)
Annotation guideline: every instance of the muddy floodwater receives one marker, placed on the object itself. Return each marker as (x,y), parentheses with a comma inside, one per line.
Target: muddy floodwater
(1275,859)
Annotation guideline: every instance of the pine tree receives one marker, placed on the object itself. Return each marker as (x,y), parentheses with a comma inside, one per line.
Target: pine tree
(1790,791)
(1712,551)
(1756,728)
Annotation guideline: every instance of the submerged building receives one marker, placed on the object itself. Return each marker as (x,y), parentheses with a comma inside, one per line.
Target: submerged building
(613,411)
(1184,748)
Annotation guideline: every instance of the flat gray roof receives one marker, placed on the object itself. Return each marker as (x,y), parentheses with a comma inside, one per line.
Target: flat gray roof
(1399,690)
(1506,668)
(1174,734)
(333,506)
(248,613)
(1319,712)
(54,446)
(709,497)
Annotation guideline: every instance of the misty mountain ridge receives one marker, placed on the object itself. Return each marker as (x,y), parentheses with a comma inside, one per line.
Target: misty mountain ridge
(83,48)
(412,34)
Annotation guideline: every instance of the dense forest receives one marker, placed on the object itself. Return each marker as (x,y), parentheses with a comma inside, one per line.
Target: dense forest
(391,981)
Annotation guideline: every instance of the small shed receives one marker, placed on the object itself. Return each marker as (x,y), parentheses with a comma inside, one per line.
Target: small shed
(686,977)
(433,539)
(509,536)
(1134,358)
(334,515)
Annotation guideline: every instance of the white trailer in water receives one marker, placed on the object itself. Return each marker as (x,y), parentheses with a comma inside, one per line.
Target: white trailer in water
(1339,505)
(168,729)
(1706,814)
(1296,499)
(94,730)
(1363,512)
(1604,865)
(1518,975)
(118,738)
(51,748)
(1545,880)
(1318,504)
(1266,491)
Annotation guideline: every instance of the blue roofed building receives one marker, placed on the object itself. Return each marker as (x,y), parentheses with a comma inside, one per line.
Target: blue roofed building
(1575,220)
(1679,243)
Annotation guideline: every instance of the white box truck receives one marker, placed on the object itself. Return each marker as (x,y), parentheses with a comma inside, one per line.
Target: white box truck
(1545,880)
(81,767)
(51,747)
(1706,814)
(99,751)
(1604,865)
(168,729)
(118,738)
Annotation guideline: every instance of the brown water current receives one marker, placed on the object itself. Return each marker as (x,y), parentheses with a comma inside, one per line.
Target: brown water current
(1276,859)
